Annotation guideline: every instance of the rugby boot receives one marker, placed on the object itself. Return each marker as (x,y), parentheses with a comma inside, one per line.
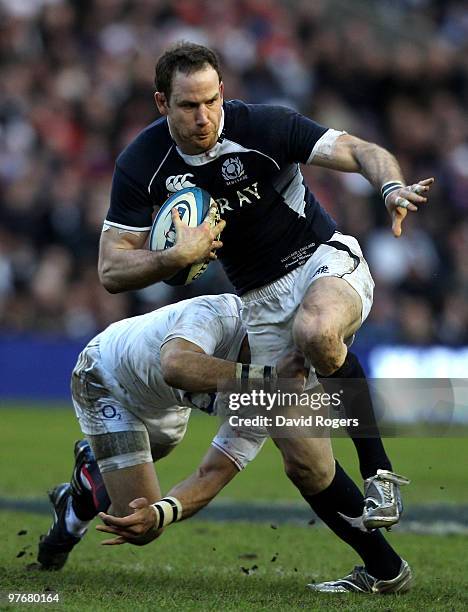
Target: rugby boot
(382,500)
(55,547)
(360,581)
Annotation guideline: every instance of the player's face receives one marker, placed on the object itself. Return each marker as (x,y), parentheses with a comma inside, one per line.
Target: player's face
(194,109)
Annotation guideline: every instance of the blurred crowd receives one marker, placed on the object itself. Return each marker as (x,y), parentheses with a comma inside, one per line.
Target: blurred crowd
(76,85)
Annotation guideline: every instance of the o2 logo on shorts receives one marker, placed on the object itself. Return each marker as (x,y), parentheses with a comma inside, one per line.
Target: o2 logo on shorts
(109,412)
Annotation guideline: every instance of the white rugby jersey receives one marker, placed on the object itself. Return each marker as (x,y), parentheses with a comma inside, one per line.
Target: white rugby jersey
(274,222)
(130,349)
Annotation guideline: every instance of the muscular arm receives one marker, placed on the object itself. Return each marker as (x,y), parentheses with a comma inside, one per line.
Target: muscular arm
(124,264)
(378,166)
(194,493)
(351,154)
(186,366)
(201,487)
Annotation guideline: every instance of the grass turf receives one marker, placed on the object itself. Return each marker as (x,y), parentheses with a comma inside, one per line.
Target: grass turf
(199,565)
(213,566)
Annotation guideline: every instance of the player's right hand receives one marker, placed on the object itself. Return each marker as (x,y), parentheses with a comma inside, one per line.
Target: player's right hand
(196,244)
(138,528)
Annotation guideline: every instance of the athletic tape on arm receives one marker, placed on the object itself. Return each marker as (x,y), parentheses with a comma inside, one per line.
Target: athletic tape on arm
(325,145)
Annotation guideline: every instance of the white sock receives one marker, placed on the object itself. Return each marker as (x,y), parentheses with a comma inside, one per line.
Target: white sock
(75,526)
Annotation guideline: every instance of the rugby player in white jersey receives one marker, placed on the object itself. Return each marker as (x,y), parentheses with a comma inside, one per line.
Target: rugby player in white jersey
(133,387)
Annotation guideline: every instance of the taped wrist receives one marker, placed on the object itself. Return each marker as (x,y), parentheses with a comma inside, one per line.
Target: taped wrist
(168,510)
(389,187)
(251,376)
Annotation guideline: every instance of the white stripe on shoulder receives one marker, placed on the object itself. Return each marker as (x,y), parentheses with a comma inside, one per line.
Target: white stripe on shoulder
(324,145)
(159,168)
(108,224)
(226,147)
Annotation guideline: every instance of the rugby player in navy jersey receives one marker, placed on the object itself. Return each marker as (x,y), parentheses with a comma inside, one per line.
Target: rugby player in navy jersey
(302,282)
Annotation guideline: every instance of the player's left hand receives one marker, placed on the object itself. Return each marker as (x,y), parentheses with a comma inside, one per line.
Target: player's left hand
(137,528)
(400,201)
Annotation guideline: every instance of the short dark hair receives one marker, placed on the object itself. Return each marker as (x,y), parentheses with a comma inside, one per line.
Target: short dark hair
(186,57)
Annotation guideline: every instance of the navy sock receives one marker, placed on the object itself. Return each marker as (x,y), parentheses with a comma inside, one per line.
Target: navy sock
(342,495)
(366,437)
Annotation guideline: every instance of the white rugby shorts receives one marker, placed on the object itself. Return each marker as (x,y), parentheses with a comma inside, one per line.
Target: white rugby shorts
(269,311)
(135,439)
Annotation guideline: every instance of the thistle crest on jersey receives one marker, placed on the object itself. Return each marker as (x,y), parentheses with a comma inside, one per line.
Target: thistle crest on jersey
(232,170)
(194,205)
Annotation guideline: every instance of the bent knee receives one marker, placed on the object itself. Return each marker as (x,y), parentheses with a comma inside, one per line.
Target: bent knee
(310,479)
(317,338)
(314,329)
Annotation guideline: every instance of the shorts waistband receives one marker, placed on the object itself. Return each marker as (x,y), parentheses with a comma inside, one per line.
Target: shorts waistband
(284,283)
(276,287)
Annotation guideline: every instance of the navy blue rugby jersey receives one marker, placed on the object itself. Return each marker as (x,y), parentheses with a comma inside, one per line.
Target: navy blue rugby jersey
(274,222)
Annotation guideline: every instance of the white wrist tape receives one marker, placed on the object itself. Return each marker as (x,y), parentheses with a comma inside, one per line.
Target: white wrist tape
(389,187)
(168,510)
(246,374)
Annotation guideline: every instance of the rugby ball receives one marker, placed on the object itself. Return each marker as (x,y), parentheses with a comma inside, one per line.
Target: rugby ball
(194,206)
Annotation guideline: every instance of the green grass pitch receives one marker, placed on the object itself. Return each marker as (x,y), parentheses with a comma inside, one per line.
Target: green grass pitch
(202,565)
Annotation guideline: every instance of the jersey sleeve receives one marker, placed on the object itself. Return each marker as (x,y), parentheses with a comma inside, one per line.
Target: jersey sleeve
(200,326)
(303,134)
(289,136)
(130,205)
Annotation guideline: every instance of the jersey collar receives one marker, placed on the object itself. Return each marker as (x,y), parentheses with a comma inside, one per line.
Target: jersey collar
(207,156)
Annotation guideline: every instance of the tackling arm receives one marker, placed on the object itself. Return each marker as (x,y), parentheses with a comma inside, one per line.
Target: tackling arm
(186,366)
(193,493)
(216,469)
(212,475)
